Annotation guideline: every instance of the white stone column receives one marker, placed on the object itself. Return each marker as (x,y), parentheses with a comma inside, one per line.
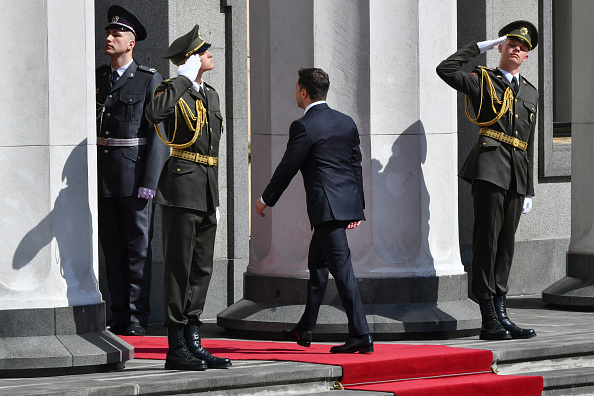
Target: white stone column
(48,285)
(381,57)
(577,288)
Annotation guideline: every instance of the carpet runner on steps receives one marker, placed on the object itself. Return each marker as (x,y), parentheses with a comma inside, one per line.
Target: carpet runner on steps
(398,368)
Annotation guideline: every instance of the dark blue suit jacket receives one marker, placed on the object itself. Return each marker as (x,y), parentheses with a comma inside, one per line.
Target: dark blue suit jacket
(324,145)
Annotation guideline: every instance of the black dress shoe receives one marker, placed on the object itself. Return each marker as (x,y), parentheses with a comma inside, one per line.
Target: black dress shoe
(303,337)
(116,328)
(135,329)
(362,344)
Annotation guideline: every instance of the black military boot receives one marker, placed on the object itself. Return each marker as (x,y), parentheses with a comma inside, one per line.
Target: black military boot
(194,343)
(516,332)
(491,329)
(178,355)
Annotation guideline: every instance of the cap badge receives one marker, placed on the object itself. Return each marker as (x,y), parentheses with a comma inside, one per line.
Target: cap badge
(524,31)
(115,18)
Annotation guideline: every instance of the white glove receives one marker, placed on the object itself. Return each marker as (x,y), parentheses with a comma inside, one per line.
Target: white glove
(527,204)
(146,193)
(190,68)
(218,215)
(484,46)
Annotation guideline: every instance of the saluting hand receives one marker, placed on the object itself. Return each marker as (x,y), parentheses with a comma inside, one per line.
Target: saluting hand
(484,46)
(191,68)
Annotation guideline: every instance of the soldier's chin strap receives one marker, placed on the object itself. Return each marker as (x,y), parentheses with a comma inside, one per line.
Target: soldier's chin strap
(199,119)
(506,103)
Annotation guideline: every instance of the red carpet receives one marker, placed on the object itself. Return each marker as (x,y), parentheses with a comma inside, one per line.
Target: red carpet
(409,365)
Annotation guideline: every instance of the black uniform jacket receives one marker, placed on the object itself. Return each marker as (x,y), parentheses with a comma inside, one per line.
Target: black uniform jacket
(324,145)
(184,183)
(491,160)
(121,170)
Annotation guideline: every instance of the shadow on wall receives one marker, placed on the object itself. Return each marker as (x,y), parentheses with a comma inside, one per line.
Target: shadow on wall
(67,223)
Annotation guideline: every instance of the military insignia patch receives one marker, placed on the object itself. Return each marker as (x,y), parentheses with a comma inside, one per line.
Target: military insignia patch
(524,31)
(115,18)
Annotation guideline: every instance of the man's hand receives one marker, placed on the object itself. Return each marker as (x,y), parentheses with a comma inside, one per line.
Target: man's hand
(146,193)
(484,46)
(260,206)
(527,204)
(353,224)
(190,68)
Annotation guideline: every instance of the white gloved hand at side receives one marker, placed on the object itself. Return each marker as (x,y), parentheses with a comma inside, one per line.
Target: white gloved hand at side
(146,193)
(527,204)
(484,46)
(190,68)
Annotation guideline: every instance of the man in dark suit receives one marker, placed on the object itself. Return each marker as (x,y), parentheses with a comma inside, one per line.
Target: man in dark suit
(324,145)
(188,193)
(129,160)
(499,166)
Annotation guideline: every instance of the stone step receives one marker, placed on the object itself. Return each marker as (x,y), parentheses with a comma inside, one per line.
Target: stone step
(568,381)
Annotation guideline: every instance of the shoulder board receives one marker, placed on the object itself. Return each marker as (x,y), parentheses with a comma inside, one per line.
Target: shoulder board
(147,69)
(528,82)
(210,86)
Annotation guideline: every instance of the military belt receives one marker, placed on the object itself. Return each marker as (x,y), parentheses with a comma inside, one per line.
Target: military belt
(502,137)
(195,157)
(103,141)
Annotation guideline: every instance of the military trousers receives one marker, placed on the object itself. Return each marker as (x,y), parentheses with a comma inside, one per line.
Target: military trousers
(329,253)
(188,249)
(125,233)
(496,217)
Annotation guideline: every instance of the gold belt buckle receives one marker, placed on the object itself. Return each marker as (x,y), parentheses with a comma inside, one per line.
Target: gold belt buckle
(516,142)
(210,161)
(102,141)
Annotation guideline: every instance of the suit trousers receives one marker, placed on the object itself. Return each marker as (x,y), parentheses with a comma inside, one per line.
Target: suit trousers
(188,249)
(329,252)
(126,232)
(496,217)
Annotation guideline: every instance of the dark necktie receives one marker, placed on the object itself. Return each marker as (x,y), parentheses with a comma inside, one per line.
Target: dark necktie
(113,78)
(515,85)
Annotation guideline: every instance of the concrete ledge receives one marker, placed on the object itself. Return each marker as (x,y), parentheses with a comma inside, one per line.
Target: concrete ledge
(402,308)
(576,290)
(56,341)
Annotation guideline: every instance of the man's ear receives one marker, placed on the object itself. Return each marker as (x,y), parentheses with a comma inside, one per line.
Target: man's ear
(131,45)
(500,48)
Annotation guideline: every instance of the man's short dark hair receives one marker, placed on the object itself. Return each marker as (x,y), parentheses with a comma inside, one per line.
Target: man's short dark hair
(315,81)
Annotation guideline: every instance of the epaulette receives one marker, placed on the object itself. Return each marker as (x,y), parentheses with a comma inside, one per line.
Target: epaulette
(147,69)
(210,86)
(528,82)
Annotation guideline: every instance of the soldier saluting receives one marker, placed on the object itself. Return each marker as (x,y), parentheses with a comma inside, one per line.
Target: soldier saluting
(189,195)
(500,165)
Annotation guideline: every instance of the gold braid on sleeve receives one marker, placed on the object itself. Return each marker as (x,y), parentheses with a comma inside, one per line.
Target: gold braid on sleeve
(194,123)
(506,103)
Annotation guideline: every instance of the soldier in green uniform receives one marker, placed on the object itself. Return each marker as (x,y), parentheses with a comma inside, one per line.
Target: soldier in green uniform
(500,165)
(188,194)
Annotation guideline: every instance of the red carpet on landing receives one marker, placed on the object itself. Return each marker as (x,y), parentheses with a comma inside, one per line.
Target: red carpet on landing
(398,368)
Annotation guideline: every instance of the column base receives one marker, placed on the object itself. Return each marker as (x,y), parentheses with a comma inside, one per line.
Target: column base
(576,290)
(57,341)
(396,308)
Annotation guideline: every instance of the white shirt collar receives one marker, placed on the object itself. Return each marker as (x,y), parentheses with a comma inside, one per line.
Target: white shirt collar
(122,69)
(312,105)
(198,86)
(509,76)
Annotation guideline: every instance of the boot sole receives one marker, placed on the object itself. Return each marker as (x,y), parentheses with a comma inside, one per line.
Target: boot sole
(220,366)
(363,349)
(172,366)
(304,343)
(495,338)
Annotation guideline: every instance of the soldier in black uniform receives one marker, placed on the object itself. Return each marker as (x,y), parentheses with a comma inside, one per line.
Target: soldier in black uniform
(130,157)
(189,195)
(500,165)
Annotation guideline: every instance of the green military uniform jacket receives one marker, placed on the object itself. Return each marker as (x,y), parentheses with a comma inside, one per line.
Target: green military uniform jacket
(184,183)
(492,160)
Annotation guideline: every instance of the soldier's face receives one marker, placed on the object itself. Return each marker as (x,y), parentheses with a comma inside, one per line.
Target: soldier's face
(513,51)
(207,62)
(118,42)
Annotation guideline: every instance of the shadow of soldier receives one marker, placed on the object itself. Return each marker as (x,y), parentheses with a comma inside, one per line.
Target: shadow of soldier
(69,224)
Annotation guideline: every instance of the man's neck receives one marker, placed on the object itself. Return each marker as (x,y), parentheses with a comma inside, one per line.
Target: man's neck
(198,79)
(121,60)
(514,70)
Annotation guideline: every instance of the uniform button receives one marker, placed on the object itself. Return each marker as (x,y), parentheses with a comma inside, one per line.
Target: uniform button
(105,151)
(178,169)
(516,132)
(516,116)
(211,129)
(106,133)
(107,115)
(484,144)
(130,100)
(211,147)
(516,100)
(110,96)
